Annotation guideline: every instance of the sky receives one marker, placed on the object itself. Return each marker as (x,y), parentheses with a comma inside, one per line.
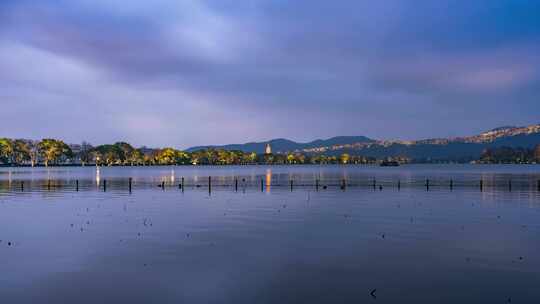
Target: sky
(184,72)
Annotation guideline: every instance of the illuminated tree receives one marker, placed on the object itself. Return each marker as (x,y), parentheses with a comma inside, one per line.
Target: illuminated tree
(183,158)
(6,150)
(51,150)
(21,151)
(136,157)
(290,158)
(167,156)
(224,157)
(211,156)
(344,158)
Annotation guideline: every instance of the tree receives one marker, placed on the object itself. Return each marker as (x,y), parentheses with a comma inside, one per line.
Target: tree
(110,154)
(86,153)
(252,157)
(318,159)
(6,150)
(183,158)
(487,155)
(51,150)
(149,159)
(136,157)
(21,151)
(124,151)
(290,158)
(299,158)
(33,146)
(211,156)
(224,157)
(344,158)
(167,156)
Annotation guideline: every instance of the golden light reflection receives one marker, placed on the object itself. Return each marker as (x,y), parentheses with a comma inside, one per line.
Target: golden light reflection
(98,176)
(268,180)
(172,176)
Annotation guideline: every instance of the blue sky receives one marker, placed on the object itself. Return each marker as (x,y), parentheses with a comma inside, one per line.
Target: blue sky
(184,73)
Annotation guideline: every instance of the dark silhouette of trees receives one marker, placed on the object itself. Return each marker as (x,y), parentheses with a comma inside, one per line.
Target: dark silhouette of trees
(508,155)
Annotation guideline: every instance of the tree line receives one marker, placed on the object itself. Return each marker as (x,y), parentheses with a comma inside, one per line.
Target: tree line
(509,155)
(19,152)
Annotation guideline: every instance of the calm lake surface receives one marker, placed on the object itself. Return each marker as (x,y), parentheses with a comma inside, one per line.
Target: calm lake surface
(63,243)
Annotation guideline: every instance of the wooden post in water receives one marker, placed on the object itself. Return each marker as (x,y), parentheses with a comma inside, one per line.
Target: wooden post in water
(481,185)
(104,185)
(317,184)
(262,185)
(399,185)
(374,184)
(343,184)
(538,185)
(427,184)
(209,184)
(49,185)
(22,185)
(236,184)
(129,186)
(182,184)
(291,185)
(77,185)
(163,185)
(510,185)
(451,184)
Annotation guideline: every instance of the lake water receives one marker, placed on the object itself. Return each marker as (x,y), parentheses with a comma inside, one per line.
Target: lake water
(270,244)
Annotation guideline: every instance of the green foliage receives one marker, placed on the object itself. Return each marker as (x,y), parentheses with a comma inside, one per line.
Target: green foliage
(47,151)
(167,156)
(6,150)
(51,150)
(120,153)
(21,151)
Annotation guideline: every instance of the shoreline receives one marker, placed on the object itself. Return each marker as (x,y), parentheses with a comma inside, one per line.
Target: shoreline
(256,164)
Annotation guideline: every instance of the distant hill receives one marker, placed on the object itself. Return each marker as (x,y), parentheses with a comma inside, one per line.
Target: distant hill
(282,145)
(457,149)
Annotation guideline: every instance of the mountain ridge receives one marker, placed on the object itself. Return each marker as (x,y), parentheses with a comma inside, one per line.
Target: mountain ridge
(284,145)
(460,148)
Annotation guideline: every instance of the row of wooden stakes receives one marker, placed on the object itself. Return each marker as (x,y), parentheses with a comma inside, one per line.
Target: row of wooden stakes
(343,185)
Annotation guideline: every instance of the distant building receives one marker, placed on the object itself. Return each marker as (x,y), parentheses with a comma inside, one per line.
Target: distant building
(268,149)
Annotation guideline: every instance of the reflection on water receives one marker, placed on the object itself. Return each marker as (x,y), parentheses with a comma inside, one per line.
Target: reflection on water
(98,176)
(303,246)
(268,180)
(487,179)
